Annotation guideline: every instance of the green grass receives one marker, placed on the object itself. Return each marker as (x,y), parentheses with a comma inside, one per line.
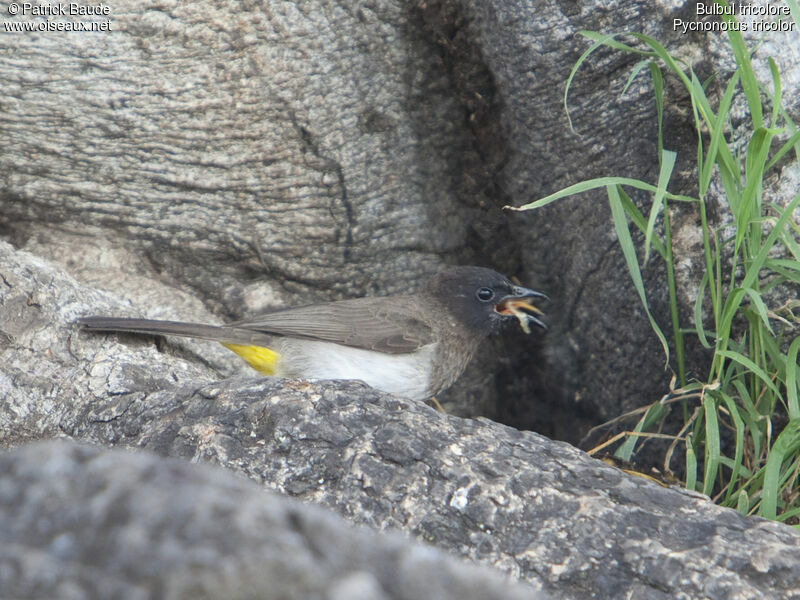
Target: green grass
(751,392)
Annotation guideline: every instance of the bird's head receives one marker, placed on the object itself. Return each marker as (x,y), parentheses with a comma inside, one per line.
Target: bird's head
(482,299)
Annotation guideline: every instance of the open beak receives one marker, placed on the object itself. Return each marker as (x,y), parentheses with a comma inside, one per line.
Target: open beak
(518,304)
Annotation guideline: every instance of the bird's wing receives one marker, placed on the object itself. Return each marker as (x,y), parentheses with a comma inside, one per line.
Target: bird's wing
(394,327)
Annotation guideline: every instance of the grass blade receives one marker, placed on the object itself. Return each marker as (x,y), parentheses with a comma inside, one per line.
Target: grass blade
(667,164)
(776,96)
(717,135)
(735,298)
(760,259)
(793,406)
(760,307)
(712,445)
(637,218)
(653,414)
(593,184)
(629,252)
(788,442)
(637,68)
(698,313)
(658,92)
(691,464)
(749,83)
(743,503)
(790,143)
(751,366)
(738,423)
(749,209)
(600,40)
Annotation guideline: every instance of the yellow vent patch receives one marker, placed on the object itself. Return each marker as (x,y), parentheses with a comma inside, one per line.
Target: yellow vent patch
(261,359)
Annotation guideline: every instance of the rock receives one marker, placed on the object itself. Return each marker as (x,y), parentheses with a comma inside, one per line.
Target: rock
(87,522)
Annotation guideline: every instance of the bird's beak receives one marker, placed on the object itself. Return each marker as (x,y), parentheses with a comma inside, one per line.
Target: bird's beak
(518,304)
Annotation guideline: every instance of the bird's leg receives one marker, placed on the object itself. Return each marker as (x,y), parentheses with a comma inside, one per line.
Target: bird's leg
(432,401)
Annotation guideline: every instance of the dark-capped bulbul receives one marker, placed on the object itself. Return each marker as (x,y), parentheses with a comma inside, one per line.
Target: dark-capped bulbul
(412,345)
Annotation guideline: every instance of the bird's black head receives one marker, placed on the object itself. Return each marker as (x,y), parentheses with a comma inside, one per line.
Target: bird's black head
(482,299)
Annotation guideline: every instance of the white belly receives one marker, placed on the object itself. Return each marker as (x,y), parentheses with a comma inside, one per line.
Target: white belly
(402,374)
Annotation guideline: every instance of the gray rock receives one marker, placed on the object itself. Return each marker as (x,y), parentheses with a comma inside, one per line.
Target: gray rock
(87,522)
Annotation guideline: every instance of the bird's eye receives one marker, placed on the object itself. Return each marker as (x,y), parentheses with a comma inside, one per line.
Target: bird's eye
(485,294)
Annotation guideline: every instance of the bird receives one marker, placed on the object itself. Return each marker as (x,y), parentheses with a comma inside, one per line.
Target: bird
(411,345)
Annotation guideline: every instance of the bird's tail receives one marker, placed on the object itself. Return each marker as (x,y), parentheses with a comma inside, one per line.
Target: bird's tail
(252,346)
